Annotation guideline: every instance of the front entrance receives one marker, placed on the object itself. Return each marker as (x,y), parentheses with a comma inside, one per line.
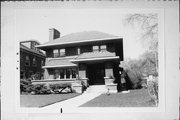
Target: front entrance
(96,74)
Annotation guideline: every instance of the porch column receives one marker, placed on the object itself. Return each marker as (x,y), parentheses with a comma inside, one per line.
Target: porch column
(46,74)
(82,70)
(109,69)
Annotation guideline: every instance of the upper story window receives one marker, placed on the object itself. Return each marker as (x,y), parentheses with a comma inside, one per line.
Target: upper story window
(70,51)
(55,53)
(86,48)
(95,48)
(110,47)
(102,47)
(99,48)
(59,53)
(27,61)
(62,52)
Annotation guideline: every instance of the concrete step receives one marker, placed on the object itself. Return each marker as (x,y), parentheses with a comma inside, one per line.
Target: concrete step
(96,89)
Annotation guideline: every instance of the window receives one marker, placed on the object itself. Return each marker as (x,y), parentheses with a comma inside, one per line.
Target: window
(56,53)
(22,75)
(30,73)
(27,61)
(86,48)
(68,72)
(73,73)
(70,51)
(56,74)
(62,52)
(110,47)
(62,74)
(34,62)
(95,48)
(42,63)
(103,47)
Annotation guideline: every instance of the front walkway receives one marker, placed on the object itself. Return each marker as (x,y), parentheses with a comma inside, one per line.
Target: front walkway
(71,105)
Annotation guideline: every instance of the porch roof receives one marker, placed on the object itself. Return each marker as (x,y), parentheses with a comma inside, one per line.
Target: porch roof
(59,63)
(95,56)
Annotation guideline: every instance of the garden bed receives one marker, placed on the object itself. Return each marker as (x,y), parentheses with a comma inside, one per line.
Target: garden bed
(44,100)
(135,98)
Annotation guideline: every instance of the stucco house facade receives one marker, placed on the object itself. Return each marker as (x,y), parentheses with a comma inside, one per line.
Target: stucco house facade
(31,59)
(91,56)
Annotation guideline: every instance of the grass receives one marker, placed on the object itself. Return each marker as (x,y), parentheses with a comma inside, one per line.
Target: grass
(44,100)
(135,98)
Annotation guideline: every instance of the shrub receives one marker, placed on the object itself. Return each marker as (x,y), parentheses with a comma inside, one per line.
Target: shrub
(153,90)
(132,79)
(58,88)
(40,89)
(25,85)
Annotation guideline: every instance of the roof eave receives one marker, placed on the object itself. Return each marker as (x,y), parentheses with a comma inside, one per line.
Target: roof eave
(77,42)
(59,66)
(95,59)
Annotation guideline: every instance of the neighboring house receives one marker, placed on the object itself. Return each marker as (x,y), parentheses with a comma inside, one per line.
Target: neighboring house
(31,59)
(89,55)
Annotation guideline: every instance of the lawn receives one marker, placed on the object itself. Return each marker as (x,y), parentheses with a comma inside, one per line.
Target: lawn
(44,100)
(135,98)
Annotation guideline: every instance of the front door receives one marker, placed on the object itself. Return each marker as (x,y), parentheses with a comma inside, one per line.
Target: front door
(96,74)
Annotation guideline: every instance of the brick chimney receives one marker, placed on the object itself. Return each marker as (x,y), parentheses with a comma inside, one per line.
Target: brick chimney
(53,34)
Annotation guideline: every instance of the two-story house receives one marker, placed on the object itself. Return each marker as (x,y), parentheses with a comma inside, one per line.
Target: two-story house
(31,59)
(89,55)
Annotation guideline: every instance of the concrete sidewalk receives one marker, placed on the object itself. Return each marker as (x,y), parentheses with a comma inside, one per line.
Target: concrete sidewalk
(71,105)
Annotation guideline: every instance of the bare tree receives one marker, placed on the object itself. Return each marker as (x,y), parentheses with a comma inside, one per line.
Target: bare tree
(149,26)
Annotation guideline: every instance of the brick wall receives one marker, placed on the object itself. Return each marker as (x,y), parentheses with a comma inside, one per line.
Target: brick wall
(31,69)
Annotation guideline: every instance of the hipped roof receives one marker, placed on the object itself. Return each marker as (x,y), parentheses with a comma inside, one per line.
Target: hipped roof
(80,37)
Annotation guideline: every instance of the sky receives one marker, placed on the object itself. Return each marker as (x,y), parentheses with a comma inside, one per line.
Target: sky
(35,24)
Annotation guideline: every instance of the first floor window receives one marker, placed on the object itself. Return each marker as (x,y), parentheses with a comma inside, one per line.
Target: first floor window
(61,74)
(30,73)
(73,73)
(22,75)
(56,74)
(68,72)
